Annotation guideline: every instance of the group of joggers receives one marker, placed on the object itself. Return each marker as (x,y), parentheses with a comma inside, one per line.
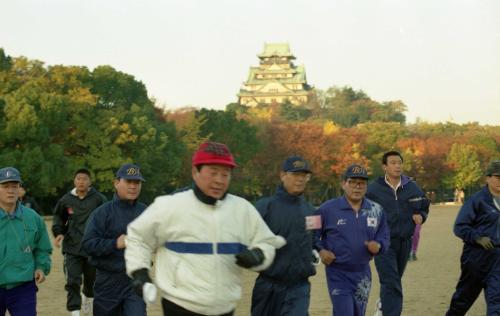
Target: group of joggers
(199,238)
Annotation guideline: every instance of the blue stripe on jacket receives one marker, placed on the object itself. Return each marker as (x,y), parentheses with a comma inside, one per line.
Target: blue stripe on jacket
(225,248)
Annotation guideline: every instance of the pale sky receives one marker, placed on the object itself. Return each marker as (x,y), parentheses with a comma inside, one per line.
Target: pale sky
(440,57)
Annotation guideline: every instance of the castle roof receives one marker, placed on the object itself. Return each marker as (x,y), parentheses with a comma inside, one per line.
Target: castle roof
(276,49)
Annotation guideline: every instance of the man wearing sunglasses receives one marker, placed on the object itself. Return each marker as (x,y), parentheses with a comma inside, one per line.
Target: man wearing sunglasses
(353,230)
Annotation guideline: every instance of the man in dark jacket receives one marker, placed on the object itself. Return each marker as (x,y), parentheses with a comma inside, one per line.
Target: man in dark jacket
(283,288)
(478,225)
(70,218)
(104,241)
(405,205)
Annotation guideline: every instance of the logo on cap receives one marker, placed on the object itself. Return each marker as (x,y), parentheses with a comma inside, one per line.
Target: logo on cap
(299,164)
(133,171)
(10,173)
(355,171)
(295,164)
(130,171)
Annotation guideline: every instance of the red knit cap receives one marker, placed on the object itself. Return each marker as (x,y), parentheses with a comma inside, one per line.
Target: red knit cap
(212,153)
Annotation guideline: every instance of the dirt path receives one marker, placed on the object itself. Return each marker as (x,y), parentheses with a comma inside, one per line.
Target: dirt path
(428,283)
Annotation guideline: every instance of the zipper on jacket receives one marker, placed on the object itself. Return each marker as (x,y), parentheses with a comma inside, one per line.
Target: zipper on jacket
(214,248)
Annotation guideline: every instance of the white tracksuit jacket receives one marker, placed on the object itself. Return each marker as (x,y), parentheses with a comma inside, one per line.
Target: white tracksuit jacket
(195,244)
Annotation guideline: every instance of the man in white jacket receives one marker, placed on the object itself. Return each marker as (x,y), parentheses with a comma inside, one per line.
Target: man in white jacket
(201,236)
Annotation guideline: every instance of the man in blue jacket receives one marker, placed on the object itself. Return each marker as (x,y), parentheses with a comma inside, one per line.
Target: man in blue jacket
(353,230)
(478,225)
(405,205)
(104,241)
(283,288)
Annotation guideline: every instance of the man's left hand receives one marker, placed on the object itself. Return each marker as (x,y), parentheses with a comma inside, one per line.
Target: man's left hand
(418,219)
(373,246)
(39,276)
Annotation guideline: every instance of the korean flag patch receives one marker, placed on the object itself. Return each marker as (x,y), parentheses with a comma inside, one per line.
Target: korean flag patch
(371,221)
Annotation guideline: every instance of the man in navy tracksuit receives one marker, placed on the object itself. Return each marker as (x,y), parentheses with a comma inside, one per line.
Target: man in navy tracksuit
(478,225)
(353,230)
(405,205)
(283,288)
(104,241)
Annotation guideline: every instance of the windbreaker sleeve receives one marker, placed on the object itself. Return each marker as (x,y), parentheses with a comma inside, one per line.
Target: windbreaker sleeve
(420,204)
(260,236)
(60,219)
(383,235)
(43,248)
(93,241)
(141,237)
(464,223)
(319,233)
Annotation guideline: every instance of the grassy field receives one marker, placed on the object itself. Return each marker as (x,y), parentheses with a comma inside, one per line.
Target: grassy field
(428,283)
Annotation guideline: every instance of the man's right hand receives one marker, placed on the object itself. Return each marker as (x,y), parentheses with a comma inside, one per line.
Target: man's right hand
(58,240)
(485,242)
(327,257)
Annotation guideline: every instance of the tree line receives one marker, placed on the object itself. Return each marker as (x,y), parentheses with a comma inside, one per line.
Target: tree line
(56,119)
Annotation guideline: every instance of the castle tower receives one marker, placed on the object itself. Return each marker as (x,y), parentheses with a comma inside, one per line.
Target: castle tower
(276,79)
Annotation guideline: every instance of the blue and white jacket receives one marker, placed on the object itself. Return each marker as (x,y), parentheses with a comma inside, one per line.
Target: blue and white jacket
(399,205)
(344,232)
(478,217)
(195,245)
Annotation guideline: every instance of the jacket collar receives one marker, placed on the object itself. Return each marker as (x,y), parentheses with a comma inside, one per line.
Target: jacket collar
(344,204)
(202,197)
(90,191)
(18,212)
(280,191)
(404,180)
(123,203)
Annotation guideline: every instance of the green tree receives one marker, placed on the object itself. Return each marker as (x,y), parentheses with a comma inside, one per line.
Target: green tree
(465,166)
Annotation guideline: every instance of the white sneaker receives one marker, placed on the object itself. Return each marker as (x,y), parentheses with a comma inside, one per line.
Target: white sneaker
(378,308)
(75,313)
(87,304)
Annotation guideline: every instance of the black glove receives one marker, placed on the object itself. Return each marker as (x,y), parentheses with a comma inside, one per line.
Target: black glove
(250,258)
(485,242)
(140,277)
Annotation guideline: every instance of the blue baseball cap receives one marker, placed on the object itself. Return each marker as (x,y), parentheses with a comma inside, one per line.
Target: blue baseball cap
(296,164)
(10,174)
(130,171)
(355,171)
